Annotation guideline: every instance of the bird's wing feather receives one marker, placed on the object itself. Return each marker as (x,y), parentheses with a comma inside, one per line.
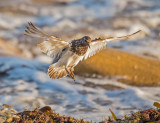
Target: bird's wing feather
(98,44)
(52,46)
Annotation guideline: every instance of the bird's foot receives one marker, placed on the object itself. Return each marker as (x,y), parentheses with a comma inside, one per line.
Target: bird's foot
(70,73)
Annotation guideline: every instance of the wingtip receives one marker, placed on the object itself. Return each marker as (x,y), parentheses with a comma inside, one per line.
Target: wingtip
(137,31)
(134,33)
(24,34)
(29,22)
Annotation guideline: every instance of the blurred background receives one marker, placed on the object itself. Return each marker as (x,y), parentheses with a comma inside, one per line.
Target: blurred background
(124,77)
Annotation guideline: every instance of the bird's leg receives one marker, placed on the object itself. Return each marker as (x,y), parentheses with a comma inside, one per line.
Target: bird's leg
(69,73)
(72,74)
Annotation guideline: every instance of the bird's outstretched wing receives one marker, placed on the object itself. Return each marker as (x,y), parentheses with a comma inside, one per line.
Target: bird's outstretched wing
(52,46)
(98,44)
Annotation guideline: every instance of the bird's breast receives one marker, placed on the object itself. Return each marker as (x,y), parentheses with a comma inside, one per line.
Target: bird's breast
(78,47)
(79,50)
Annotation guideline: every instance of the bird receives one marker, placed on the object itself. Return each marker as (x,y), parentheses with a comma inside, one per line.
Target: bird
(67,54)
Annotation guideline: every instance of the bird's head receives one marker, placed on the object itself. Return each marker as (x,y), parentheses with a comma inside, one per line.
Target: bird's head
(87,40)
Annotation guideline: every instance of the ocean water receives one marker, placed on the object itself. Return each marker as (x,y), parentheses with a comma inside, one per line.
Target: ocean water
(25,85)
(24,82)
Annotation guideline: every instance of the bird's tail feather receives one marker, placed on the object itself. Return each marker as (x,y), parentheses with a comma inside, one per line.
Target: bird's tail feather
(56,72)
(59,72)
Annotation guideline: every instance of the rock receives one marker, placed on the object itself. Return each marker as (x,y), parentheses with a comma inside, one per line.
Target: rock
(138,70)
(6,113)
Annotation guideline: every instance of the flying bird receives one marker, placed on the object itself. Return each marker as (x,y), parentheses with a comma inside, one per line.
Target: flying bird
(66,55)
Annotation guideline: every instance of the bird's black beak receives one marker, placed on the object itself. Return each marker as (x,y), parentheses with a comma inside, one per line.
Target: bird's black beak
(89,45)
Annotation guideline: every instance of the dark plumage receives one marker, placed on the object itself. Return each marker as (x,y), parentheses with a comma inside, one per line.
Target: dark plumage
(80,46)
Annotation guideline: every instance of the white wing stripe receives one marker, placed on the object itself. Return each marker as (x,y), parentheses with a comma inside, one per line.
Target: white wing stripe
(94,48)
(99,44)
